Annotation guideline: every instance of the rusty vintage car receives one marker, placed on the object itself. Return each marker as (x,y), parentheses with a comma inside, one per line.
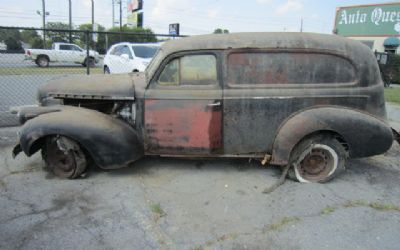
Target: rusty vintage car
(309,101)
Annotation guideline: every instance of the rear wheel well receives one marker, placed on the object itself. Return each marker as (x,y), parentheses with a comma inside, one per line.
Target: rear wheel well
(42,55)
(330,133)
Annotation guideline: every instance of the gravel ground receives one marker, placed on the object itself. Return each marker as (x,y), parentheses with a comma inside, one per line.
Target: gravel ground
(160,203)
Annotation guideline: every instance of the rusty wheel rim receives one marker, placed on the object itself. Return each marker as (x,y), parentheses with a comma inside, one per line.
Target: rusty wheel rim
(316,165)
(62,163)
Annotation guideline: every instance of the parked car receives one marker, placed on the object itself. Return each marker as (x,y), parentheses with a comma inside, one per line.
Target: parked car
(307,100)
(62,52)
(129,57)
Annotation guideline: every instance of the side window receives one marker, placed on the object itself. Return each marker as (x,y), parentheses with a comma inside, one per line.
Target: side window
(125,50)
(76,48)
(289,68)
(115,51)
(190,70)
(65,47)
(170,74)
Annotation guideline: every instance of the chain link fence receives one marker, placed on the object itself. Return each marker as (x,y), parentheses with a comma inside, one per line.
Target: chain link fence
(389,66)
(30,57)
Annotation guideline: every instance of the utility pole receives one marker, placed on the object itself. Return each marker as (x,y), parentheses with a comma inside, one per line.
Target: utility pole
(113,16)
(120,20)
(92,14)
(93,28)
(70,21)
(120,15)
(301,25)
(44,23)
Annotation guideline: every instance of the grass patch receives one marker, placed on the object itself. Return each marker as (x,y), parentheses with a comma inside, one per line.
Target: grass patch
(156,208)
(392,94)
(328,210)
(384,207)
(280,224)
(68,70)
(361,203)
(356,203)
(374,205)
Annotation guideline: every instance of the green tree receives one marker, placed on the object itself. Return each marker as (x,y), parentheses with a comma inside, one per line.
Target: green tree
(146,35)
(221,31)
(58,36)
(100,44)
(32,38)
(12,38)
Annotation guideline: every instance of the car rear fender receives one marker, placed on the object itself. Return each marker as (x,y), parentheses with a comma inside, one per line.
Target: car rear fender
(109,141)
(363,134)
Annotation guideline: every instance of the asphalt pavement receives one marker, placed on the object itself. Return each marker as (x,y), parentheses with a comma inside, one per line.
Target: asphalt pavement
(162,203)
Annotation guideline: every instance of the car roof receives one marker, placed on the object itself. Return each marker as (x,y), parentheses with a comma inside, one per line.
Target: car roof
(359,54)
(287,40)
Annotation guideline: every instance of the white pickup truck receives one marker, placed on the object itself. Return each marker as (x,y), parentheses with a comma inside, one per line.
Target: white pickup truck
(61,52)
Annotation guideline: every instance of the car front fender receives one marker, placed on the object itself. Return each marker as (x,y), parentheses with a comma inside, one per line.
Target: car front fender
(109,141)
(364,134)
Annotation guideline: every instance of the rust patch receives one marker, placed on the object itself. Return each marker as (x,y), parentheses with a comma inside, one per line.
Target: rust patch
(182,125)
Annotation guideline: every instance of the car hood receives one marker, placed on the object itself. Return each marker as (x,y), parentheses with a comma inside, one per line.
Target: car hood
(103,87)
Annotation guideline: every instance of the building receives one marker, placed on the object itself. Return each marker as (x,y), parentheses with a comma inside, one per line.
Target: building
(376,25)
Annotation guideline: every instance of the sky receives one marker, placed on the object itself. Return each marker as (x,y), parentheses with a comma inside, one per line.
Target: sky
(195,16)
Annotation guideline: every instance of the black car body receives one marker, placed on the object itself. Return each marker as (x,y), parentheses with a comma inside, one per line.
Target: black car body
(309,100)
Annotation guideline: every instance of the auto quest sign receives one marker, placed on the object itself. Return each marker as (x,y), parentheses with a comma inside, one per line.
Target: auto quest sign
(368,20)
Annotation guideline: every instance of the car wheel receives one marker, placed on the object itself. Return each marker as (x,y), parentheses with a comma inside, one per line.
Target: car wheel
(42,61)
(317,159)
(64,157)
(106,70)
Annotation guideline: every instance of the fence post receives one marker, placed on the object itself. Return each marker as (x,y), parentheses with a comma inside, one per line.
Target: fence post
(87,53)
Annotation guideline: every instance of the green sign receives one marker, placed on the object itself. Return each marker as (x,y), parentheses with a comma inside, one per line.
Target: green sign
(368,20)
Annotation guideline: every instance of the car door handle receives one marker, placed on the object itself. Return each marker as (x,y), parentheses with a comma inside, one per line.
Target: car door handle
(214,104)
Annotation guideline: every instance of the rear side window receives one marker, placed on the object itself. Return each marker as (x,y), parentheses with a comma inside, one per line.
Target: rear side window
(288,68)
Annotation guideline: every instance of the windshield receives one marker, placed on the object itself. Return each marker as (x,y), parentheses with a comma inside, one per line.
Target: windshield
(145,51)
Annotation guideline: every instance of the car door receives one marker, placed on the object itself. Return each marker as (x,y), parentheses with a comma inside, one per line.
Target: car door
(111,59)
(69,54)
(78,54)
(183,107)
(64,53)
(124,60)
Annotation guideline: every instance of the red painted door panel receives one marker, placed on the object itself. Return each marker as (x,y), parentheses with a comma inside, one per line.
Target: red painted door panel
(182,127)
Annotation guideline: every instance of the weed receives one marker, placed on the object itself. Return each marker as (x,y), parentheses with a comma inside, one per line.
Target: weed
(328,210)
(280,224)
(384,207)
(156,208)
